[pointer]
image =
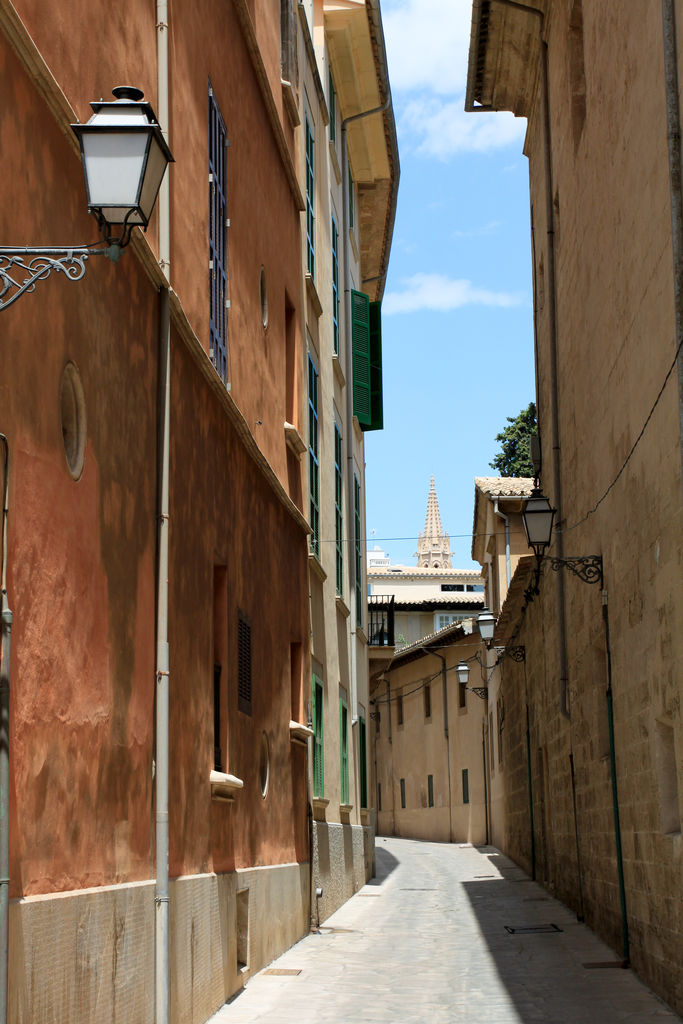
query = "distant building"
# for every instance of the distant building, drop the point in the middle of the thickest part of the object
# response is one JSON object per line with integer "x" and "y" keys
{"x": 433, "y": 546}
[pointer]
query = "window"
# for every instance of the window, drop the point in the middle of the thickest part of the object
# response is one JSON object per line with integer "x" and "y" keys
{"x": 403, "y": 793}
{"x": 220, "y": 658}
{"x": 357, "y": 547}
{"x": 500, "y": 712}
{"x": 310, "y": 199}
{"x": 428, "y": 700}
{"x": 313, "y": 463}
{"x": 379, "y": 796}
{"x": 452, "y": 588}
{"x": 492, "y": 757}
{"x": 430, "y": 790}
{"x": 288, "y": 49}
{"x": 344, "y": 750}
{"x": 443, "y": 619}
{"x": 366, "y": 342}
{"x": 465, "y": 786}
{"x": 462, "y": 695}
{"x": 332, "y": 103}
{"x": 351, "y": 215}
{"x": 243, "y": 663}
{"x": 335, "y": 286}
{"x": 363, "y": 755}
{"x": 338, "y": 516}
{"x": 318, "y": 760}
{"x": 218, "y": 248}
{"x": 399, "y": 709}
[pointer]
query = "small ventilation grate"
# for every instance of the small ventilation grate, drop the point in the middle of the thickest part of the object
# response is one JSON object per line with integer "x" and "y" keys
{"x": 532, "y": 929}
{"x": 288, "y": 971}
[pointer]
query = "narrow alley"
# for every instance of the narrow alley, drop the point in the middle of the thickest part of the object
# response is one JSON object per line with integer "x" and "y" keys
{"x": 430, "y": 939}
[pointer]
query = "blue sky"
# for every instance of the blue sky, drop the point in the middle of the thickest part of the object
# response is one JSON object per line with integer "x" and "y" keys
{"x": 457, "y": 316}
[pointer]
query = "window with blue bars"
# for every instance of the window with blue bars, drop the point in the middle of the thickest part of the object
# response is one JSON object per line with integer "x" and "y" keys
{"x": 313, "y": 457}
{"x": 335, "y": 286}
{"x": 218, "y": 242}
{"x": 338, "y": 518}
{"x": 310, "y": 199}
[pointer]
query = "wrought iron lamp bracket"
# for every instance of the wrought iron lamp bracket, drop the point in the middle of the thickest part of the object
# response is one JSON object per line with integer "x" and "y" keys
{"x": 516, "y": 653}
{"x": 481, "y": 691}
{"x": 588, "y": 568}
{"x": 22, "y": 267}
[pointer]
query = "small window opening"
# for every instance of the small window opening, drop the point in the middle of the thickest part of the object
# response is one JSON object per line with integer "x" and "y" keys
{"x": 72, "y": 409}
{"x": 430, "y": 790}
{"x": 242, "y": 929}
{"x": 403, "y": 793}
{"x": 264, "y": 765}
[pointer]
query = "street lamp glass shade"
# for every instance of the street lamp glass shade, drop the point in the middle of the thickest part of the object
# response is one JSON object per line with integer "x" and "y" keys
{"x": 463, "y": 671}
{"x": 487, "y": 624}
{"x": 538, "y": 519}
{"x": 124, "y": 157}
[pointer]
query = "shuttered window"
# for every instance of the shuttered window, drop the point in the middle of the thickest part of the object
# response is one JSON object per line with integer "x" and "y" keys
{"x": 363, "y": 755}
{"x": 243, "y": 664}
{"x": 357, "y": 549}
{"x": 344, "y": 750}
{"x": 366, "y": 333}
{"x": 318, "y": 759}
{"x": 218, "y": 242}
{"x": 313, "y": 457}
{"x": 310, "y": 199}
{"x": 335, "y": 287}
{"x": 338, "y": 515}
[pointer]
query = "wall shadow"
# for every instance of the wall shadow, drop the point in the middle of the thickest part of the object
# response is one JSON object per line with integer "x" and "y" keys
{"x": 385, "y": 864}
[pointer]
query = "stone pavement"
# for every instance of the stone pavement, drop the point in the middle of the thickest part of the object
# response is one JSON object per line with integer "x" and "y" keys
{"x": 425, "y": 942}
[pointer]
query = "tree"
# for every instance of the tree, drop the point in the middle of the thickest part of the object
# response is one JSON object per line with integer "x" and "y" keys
{"x": 514, "y": 459}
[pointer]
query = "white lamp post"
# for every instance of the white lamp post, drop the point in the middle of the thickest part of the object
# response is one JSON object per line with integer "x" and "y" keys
{"x": 487, "y": 625}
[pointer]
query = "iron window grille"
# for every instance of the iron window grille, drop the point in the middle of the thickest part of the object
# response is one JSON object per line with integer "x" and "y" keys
{"x": 313, "y": 457}
{"x": 243, "y": 664}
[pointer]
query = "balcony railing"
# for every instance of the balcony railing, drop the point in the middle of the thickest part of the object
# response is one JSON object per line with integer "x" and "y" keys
{"x": 381, "y": 620}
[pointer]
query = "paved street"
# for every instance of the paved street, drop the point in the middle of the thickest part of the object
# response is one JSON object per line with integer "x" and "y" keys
{"x": 426, "y": 942}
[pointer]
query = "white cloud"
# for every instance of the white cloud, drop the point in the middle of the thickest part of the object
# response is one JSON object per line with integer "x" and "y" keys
{"x": 440, "y": 293}
{"x": 442, "y": 129}
{"x": 427, "y": 44}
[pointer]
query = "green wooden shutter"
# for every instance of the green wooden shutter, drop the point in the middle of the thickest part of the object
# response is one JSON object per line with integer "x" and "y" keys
{"x": 376, "y": 405}
{"x": 318, "y": 752}
{"x": 344, "y": 751}
{"x": 360, "y": 340}
{"x": 363, "y": 763}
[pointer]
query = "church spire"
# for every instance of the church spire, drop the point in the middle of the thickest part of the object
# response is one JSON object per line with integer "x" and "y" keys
{"x": 433, "y": 546}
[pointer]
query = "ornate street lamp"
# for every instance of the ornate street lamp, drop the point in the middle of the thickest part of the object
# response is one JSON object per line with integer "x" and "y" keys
{"x": 124, "y": 156}
{"x": 538, "y": 517}
{"x": 463, "y": 672}
{"x": 487, "y": 625}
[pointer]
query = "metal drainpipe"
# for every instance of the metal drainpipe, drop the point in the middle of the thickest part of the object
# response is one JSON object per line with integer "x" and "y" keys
{"x": 673, "y": 131}
{"x": 615, "y": 792}
{"x": 444, "y": 693}
{"x": 350, "y": 476}
{"x": 5, "y": 638}
{"x": 162, "y": 894}
{"x": 506, "y": 520}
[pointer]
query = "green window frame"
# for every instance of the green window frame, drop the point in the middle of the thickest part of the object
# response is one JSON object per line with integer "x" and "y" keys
{"x": 318, "y": 739}
{"x": 338, "y": 511}
{"x": 357, "y": 550}
{"x": 344, "y": 750}
{"x": 313, "y": 457}
{"x": 332, "y": 97}
{"x": 363, "y": 755}
{"x": 310, "y": 199}
{"x": 366, "y": 344}
{"x": 335, "y": 286}
{"x": 465, "y": 786}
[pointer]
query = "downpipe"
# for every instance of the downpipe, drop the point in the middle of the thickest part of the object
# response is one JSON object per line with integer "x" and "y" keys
{"x": 162, "y": 894}
{"x": 5, "y": 640}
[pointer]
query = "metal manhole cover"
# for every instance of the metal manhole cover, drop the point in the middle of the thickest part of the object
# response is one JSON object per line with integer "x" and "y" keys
{"x": 532, "y": 929}
{"x": 283, "y": 970}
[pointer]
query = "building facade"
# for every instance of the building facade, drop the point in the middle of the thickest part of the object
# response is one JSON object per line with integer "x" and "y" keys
{"x": 593, "y": 804}
{"x": 158, "y": 545}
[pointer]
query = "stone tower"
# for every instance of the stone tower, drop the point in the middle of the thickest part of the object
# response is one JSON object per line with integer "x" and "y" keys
{"x": 433, "y": 546}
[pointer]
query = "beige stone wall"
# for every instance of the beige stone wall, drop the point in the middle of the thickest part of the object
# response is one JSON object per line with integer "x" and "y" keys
{"x": 83, "y": 956}
{"x": 615, "y": 344}
{"x": 343, "y": 861}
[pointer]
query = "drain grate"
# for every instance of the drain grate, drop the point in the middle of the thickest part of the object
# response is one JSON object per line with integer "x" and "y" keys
{"x": 283, "y": 971}
{"x": 532, "y": 929}
{"x": 603, "y": 964}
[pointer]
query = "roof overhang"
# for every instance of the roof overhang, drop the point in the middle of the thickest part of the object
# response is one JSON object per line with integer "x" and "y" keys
{"x": 503, "y": 65}
{"x": 355, "y": 40}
